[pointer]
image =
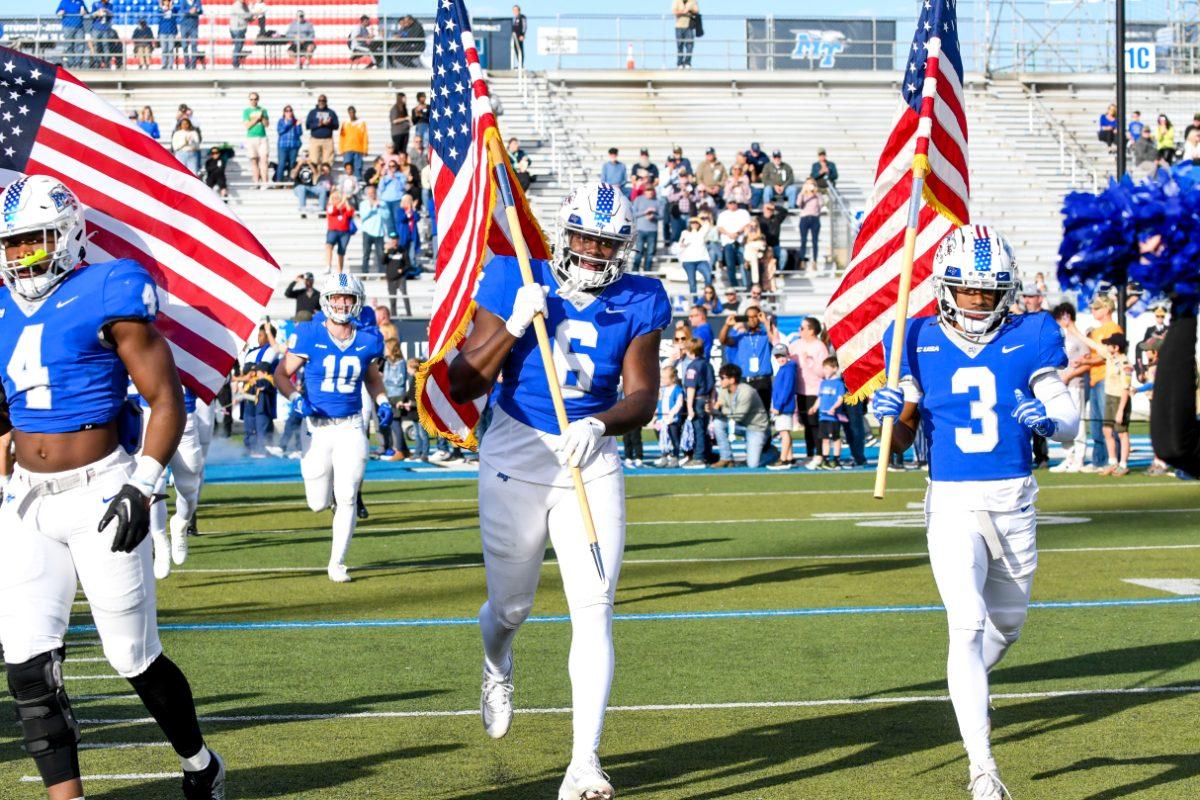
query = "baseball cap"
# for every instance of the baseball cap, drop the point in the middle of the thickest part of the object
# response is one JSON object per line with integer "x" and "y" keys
{"x": 644, "y": 152}
{"x": 776, "y": 154}
{"x": 308, "y": 276}
{"x": 1118, "y": 339}
{"x": 755, "y": 146}
{"x": 1031, "y": 291}
{"x": 710, "y": 152}
{"x": 780, "y": 349}
{"x": 731, "y": 291}
{"x": 1160, "y": 311}
{"x": 821, "y": 151}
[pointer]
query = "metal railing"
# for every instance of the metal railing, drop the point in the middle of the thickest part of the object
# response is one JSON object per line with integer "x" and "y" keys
{"x": 1073, "y": 158}
{"x": 843, "y": 228}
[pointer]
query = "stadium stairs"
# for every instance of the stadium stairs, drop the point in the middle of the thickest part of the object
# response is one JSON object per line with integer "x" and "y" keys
{"x": 1018, "y": 177}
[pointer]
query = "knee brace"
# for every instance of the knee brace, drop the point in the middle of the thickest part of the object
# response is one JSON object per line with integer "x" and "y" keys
{"x": 50, "y": 731}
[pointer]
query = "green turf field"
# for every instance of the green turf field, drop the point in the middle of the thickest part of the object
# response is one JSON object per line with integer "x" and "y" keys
{"x": 1095, "y": 701}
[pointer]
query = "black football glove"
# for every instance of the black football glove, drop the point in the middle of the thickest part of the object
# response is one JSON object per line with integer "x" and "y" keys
{"x": 131, "y": 509}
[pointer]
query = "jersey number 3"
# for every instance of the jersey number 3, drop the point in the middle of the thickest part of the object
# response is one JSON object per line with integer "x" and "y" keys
{"x": 26, "y": 370}
{"x": 983, "y": 410}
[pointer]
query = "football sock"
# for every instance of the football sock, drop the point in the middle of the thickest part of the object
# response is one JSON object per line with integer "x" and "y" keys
{"x": 497, "y": 641}
{"x": 590, "y": 666}
{"x": 967, "y": 679}
{"x": 168, "y": 697}
{"x": 345, "y": 516}
{"x": 198, "y": 762}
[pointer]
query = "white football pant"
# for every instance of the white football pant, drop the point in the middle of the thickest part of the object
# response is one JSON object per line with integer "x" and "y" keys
{"x": 333, "y": 458}
{"x": 986, "y": 604}
{"x": 515, "y": 519}
{"x": 187, "y": 471}
{"x": 55, "y": 540}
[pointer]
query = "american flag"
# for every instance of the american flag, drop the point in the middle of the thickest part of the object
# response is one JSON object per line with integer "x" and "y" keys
{"x": 930, "y": 131}
{"x": 471, "y": 222}
{"x": 214, "y": 278}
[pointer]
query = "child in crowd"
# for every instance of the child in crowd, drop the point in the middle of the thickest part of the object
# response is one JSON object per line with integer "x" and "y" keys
{"x": 830, "y": 399}
{"x": 395, "y": 383}
{"x": 408, "y": 407}
{"x": 668, "y": 420}
{"x": 783, "y": 404}
{"x": 214, "y": 172}
{"x": 699, "y": 381}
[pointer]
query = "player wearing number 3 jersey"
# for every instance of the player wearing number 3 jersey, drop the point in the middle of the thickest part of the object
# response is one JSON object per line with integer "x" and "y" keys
{"x": 605, "y": 330}
{"x": 339, "y": 356}
{"x": 978, "y": 380}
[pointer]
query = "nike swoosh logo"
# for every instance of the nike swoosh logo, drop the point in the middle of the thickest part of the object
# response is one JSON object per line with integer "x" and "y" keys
{"x": 1007, "y": 350}
{"x": 107, "y": 499}
{"x": 362, "y": 347}
{"x": 615, "y": 310}
{"x": 65, "y": 302}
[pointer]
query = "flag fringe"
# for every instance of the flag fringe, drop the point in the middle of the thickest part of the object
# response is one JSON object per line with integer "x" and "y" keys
{"x": 878, "y": 381}
{"x": 921, "y": 162}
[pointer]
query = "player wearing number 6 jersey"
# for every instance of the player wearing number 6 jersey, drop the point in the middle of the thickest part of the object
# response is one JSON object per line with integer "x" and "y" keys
{"x": 77, "y": 509}
{"x": 339, "y": 356}
{"x": 605, "y": 328}
{"x": 978, "y": 380}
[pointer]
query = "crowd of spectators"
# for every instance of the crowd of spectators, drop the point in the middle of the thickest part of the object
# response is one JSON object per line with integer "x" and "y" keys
{"x": 1150, "y": 146}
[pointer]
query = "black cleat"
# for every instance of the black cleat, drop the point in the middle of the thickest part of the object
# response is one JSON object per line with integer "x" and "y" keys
{"x": 208, "y": 783}
{"x": 191, "y": 526}
{"x": 361, "y": 507}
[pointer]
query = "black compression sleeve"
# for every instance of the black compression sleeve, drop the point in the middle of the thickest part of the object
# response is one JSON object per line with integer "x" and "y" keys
{"x": 1174, "y": 431}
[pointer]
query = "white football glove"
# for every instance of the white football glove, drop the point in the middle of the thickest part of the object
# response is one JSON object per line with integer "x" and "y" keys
{"x": 529, "y": 302}
{"x": 580, "y": 441}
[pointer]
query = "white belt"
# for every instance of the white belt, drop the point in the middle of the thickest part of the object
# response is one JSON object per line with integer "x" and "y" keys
{"x": 52, "y": 486}
{"x": 320, "y": 422}
{"x": 991, "y": 536}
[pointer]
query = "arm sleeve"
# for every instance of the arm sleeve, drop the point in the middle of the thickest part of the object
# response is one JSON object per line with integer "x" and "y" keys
{"x": 129, "y": 293}
{"x": 300, "y": 342}
{"x": 494, "y": 292}
{"x": 1060, "y": 407}
{"x": 1052, "y": 347}
{"x": 659, "y": 315}
{"x": 1174, "y": 431}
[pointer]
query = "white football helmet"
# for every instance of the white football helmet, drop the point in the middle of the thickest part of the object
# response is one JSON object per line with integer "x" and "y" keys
{"x": 334, "y": 291}
{"x": 601, "y": 214}
{"x": 975, "y": 257}
{"x": 40, "y": 205}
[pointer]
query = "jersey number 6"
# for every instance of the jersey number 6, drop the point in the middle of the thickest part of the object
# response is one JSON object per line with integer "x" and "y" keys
{"x": 574, "y": 369}
{"x": 983, "y": 410}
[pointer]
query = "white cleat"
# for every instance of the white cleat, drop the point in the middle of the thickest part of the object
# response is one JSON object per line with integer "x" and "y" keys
{"x": 179, "y": 540}
{"x": 495, "y": 702}
{"x": 1067, "y": 465}
{"x": 162, "y": 555}
{"x": 338, "y": 574}
{"x": 985, "y": 785}
{"x": 585, "y": 781}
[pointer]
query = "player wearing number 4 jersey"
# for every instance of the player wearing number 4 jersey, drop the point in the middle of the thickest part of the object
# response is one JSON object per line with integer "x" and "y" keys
{"x": 605, "y": 327}
{"x": 978, "y": 380}
{"x": 339, "y": 356}
{"x": 71, "y": 337}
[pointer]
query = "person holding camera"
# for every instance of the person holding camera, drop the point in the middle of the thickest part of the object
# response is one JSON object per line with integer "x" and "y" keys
{"x": 747, "y": 336}
{"x": 308, "y": 299}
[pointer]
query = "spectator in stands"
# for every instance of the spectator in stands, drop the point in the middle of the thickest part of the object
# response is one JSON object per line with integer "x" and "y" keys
{"x": 353, "y": 141}
{"x": 1164, "y": 140}
{"x": 698, "y": 322}
{"x": 783, "y": 403}
{"x": 754, "y": 299}
{"x": 711, "y": 175}
{"x": 143, "y": 43}
{"x": 686, "y": 13}
{"x": 418, "y": 153}
{"x": 747, "y": 334}
{"x": 824, "y": 172}
{"x": 760, "y": 261}
{"x": 105, "y": 41}
{"x": 1107, "y": 129}
{"x": 348, "y": 185}
{"x": 214, "y": 171}
{"x": 515, "y": 153}
{"x": 420, "y": 117}
{"x": 779, "y": 180}
{"x": 362, "y": 43}
{"x": 743, "y": 406}
{"x": 809, "y": 204}
{"x": 239, "y": 22}
{"x": 308, "y": 299}
{"x": 524, "y": 176}
{"x": 392, "y": 188}
{"x": 146, "y": 122}
{"x": 373, "y": 174}
{"x": 189, "y": 31}
{"x": 709, "y": 300}
{"x": 374, "y": 222}
{"x": 168, "y": 31}
{"x": 731, "y": 226}
{"x": 185, "y": 143}
{"x": 411, "y": 44}
{"x": 683, "y": 202}
{"x": 698, "y": 385}
{"x": 693, "y": 255}
{"x": 305, "y": 185}
{"x": 647, "y": 215}
{"x": 1157, "y": 331}
{"x": 395, "y": 385}
{"x": 396, "y": 266}
{"x": 737, "y": 187}
{"x": 520, "y": 26}
{"x": 1145, "y": 154}
{"x": 614, "y": 172}
{"x": 412, "y": 178}
{"x": 644, "y": 166}
{"x": 339, "y": 216}
{"x": 321, "y": 124}
{"x": 810, "y": 353}
{"x": 757, "y": 160}
{"x": 1033, "y": 299}
{"x": 1191, "y": 146}
{"x": 407, "y": 225}
{"x": 401, "y": 125}
{"x": 71, "y": 14}
{"x": 771, "y": 224}
{"x": 1102, "y": 308}
{"x": 1136, "y": 126}
{"x": 302, "y": 39}
{"x": 289, "y": 132}
{"x": 258, "y": 147}
{"x": 730, "y": 304}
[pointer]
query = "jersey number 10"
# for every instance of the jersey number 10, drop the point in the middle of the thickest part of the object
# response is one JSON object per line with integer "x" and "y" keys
{"x": 343, "y": 380}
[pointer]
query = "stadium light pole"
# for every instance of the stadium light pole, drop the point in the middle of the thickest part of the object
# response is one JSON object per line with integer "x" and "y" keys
{"x": 1121, "y": 163}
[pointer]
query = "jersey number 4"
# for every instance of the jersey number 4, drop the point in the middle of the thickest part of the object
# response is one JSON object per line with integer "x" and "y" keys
{"x": 26, "y": 371}
{"x": 574, "y": 370}
{"x": 983, "y": 410}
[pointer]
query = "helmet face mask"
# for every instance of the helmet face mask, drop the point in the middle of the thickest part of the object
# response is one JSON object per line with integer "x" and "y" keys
{"x": 595, "y": 233}
{"x": 42, "y": 238}
{"x": 342, "y": 298}
{"x": 972, "y": 262}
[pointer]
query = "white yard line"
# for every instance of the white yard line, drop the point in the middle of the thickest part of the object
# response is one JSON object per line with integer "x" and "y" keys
{"x": 90, "y": 660}
{"x": 846, "y": 701}
{"x": 120, "y": 745}
{"x": 132, "y": 776}
{"x": 83, "y": 698}
{"x": 92, "y": 677}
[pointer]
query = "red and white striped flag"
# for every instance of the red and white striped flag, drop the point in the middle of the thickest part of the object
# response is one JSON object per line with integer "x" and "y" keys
{"x": 930, "y": 132}
{"x": 471, "y": 222}
{"x": 214, "y": 278}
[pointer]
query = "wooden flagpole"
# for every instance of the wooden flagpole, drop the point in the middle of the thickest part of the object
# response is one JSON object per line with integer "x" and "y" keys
{"x": 901, "y": 323}
{"x": 499, "y": 158}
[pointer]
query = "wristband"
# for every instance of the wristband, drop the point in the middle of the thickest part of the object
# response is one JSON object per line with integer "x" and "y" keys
{"x": 146, "y": 475}
{"x": 382, "y": 399}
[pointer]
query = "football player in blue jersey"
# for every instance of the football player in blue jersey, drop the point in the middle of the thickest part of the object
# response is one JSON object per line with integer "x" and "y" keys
{"x": 978, "y": 380}
{"x": 71, "y": 337}
{"x": 605, "y": 327}
{"x": 339, "y": 356}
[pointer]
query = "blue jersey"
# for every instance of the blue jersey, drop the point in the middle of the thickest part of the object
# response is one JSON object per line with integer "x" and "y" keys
{"x": 189, "y": 399}
{"x": 832, "y": 390}
{"x": 589, "y": 343}
{"x": 668, "y": 396}
{"x": 751, "y": 352}
{"x": 968, "y": 399}
{"x": 783, "y": 388}
{"x": 59, "y": 370}
{"x": 334, "y": 369}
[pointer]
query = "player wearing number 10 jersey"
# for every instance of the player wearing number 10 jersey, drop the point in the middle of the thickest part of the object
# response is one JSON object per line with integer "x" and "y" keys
{"x": 978, "y": 381}
{"x": 605, "y": 328}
